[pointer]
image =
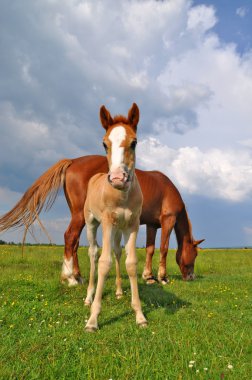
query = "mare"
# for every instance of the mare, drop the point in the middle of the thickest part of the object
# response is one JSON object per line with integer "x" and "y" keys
{"x": 163, "y": 208}
{"x": 114, "y": 200}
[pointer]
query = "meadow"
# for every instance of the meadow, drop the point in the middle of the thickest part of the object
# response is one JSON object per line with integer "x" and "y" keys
{"x": 197, "y": 330}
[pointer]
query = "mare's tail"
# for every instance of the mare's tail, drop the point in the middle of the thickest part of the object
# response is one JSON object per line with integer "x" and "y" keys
{"x": 42, "y": 192}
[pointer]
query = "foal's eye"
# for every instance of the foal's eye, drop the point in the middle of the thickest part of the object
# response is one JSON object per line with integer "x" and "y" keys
{"x": 133, "y": 144}
{"x": 105, "y": 147}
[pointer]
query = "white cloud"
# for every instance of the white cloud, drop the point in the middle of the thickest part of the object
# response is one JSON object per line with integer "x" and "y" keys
{"x": 221, "y": 83}
{"x": 193, "y": 90}
{"x": 201, "y": 17}
{"x": 62, "y": 59}
{"x": 213, "y": 173}
{"x": 242, "y": 11}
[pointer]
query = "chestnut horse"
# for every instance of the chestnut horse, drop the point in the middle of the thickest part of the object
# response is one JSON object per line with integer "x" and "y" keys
{"x": 114, "y": 200}
{"x": 162, "y": 207}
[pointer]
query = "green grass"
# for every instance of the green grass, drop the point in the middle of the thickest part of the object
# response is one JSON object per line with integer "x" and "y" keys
{"x": 208, "y": 321}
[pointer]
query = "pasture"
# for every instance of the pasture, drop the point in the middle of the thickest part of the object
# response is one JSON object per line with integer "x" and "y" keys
{"x": 197, "y": 330}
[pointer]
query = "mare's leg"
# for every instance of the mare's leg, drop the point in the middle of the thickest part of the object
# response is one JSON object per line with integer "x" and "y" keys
{"x": 167, "y": 224}
{"x": 92, "y": 252}
{"x": 118, "y": 253}
{"x": 70, "y": 269}
{"x": 150, "y": 249}
{"x": 131, "y": 266}
{"x": 104, "y": 265}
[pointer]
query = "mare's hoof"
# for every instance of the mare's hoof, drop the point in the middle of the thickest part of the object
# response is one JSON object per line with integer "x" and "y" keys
{"x": 150, "y": 280}
{"x": 163, "y": 281}
{"x": 70, "y": 281}
{"x": 80, "y": 280}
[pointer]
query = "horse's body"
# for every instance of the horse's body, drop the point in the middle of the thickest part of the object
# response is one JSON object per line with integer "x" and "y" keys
{"x": 114, "y": 200}
{"x": 162, "y": 207}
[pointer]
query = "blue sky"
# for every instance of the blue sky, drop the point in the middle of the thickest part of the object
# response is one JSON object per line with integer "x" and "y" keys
{"x": 234, "y": 22}
{"x": 187, "y": 64}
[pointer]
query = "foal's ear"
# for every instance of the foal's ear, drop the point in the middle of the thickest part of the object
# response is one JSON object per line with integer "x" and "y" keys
{"x": 105, "y": 117}
{"x": 133, "y": 116}
{"x": 197, "y": 242}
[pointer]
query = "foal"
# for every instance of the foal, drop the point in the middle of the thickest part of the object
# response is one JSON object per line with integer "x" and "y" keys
{"x": 114, "y": 200}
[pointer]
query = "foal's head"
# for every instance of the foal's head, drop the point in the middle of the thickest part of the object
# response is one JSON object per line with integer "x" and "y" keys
{"x": 120, "y": 142}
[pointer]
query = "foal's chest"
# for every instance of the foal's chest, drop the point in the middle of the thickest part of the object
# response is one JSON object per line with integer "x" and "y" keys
{"x": 122, "y": 217}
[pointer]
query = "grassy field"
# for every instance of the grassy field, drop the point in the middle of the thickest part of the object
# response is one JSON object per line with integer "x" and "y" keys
{"x": 197, "y": 330}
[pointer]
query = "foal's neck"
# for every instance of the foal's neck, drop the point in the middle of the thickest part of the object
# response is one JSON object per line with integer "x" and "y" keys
{"x": 115, "y": 197}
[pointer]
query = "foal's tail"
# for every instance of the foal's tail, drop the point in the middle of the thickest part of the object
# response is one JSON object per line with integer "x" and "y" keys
{"x": 42, "y": 192}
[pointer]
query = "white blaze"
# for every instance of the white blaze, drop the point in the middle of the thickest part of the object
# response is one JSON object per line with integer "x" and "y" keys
{"x": 116, "y": 137}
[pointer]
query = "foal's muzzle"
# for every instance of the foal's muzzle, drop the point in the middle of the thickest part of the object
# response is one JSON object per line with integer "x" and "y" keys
{"x": 119, "y": 178}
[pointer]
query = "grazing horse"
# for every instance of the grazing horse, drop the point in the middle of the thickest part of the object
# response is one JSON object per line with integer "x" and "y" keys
{"x": 114, "y": 200}
{"x": 163, "y": 208}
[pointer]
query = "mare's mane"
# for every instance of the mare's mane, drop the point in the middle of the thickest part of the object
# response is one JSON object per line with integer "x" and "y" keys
{"x": 183, "y": 223}
{"x": 190, "y": 225}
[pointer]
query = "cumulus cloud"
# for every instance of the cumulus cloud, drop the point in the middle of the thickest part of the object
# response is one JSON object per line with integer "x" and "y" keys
{"x": 201, "y": 18}
{"x": 213, "y": 173}
{"x": 62, "y": 59}
{"x": 57, "y": 71}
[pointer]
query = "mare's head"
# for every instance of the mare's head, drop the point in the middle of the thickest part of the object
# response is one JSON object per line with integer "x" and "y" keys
{"x": 187, "y": 247}
{"x": 120, "y": 142}
{"x": 186, "y": 256}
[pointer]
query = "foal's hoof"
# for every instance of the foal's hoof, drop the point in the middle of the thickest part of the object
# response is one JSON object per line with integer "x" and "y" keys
{"x": 87, "y": 302}
{"x": 143, "y": 324}
{"x": 119, "y": 296}
{"x": 91, "y": 329}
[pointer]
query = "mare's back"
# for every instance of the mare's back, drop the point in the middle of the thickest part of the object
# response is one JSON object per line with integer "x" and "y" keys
{"x": 160, "y": 195}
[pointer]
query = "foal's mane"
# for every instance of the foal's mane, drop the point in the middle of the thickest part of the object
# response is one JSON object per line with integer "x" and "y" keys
{"x": 120, "y": 119}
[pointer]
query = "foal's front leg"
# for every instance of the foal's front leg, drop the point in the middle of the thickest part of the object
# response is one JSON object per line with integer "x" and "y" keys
{"x": 118, "y": 253}
{"x": 104, "y": 265}
{"x": 131, "y": 267}
{"x": 92, "y": 252}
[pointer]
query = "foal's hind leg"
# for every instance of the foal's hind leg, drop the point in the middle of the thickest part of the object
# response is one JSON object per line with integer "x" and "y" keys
{"x": 118, "y": 253}
{"x": 104, "y": 265}
{"x": 70, "y": 269}
{"x": 167, "y": 224}
{"x": 131, "y": 267}
{"x": 150, "y": 249}
{"x": 92, "y": 252}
